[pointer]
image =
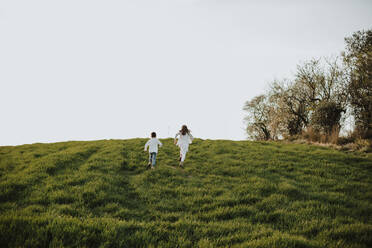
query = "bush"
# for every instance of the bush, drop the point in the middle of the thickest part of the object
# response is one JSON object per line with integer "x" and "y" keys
{"x": 326, "y": 117}
{"x": 345, "y": 140}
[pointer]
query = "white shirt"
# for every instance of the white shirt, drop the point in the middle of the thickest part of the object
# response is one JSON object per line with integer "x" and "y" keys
{"x": 153, "y": 145}
{"x": 184, "y": 140}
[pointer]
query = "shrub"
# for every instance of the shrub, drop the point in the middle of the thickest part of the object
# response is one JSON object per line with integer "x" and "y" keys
{"x": 326, "y": 117}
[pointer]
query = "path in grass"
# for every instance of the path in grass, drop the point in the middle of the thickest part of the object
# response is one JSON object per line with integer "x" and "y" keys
{"x": 243, "y": 194}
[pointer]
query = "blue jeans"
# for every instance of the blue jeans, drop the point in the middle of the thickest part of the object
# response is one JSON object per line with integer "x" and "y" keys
{"x": 152, "y": 158}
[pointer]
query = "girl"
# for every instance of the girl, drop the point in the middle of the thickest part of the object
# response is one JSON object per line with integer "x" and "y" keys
{"x": 185, "y": 138}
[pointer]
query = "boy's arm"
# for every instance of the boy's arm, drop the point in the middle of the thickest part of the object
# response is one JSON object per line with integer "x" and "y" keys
{"x": 146, "y": 145}
{"x": 160, "y": 144}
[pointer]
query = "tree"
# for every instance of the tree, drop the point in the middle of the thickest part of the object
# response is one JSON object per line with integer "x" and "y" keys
{"x": 318, "y": 96}
{"x": 289, "y": 108}
{"x": 358, "y": 58}
{"x": 258, "y": 118}
{"x": 323, "y": 85}
{"x": 316, "y": 93}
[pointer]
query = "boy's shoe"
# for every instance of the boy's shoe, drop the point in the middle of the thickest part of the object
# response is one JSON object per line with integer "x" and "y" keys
{"x": 148, "y": 166}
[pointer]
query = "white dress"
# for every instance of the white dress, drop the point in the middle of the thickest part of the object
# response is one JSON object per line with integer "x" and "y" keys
{"x": 183, "y": 142}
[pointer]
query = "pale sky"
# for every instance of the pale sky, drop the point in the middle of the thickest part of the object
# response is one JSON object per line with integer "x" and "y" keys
{"x": 88, "y": 70}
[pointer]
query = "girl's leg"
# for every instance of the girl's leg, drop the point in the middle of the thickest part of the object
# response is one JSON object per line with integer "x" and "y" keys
{"x": 183, "y": 151}
{"x": 183, "y": 156}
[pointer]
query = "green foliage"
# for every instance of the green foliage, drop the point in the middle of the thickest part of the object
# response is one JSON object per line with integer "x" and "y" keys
{"x": 230, "y": 194}
{"x": 315, "y": 98}
{"x": 358, "y": 57}
{"x": 326, "y": 117}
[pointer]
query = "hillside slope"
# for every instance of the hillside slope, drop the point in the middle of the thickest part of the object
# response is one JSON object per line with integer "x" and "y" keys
{"x": 231, "y": 194}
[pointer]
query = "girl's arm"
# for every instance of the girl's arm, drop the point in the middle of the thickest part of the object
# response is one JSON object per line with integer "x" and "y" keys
{"x": 175, "y": 141}
{"x": 191, "y": 137}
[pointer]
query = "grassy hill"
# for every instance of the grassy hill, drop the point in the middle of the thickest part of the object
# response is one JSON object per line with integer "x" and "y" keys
{"x": 230, "y": 194}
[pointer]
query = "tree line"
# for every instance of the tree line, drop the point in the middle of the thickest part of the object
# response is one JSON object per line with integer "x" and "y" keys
{"x": 315, "y": 102}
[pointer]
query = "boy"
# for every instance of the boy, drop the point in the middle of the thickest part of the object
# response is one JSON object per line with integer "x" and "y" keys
{"x": 153, "y": 149}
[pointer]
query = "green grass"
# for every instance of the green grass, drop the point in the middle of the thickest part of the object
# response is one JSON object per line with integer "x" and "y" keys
{"x": 231, "y": 194}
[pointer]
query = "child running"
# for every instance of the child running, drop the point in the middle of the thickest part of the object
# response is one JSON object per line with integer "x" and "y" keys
{"x": 185, "y": 138}
{"x": 153, "y": 149}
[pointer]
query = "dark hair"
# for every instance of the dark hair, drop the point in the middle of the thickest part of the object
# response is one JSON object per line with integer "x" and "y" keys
{"x": 153, "y": 135}
{"x": 184, "y": 130}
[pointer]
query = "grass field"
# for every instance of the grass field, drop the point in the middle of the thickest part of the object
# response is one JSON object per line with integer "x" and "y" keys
{"x": 230, "y": 194}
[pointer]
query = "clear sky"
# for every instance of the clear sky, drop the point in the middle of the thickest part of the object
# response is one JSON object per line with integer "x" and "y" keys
{"x": 87, "y": 70}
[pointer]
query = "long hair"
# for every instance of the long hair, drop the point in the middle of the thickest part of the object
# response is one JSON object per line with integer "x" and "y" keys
{"x": 184, "y": 130}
